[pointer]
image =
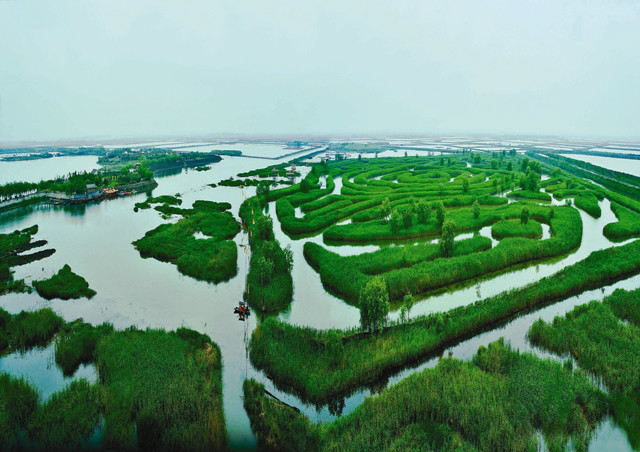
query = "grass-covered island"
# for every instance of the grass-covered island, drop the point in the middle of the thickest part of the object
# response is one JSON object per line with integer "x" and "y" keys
{"x": 200, "y": 243}
{"x": 64, "y": 285}
{"x": 13, "y": 252}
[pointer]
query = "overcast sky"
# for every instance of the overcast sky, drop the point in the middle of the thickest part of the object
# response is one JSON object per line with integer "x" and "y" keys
{"x": 125, "y": 68}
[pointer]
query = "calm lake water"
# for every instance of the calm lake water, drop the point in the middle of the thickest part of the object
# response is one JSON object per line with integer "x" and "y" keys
{"x": 628, "y": 166}
{"x": 37, "y": 170}
{"x": 95, "y": 240}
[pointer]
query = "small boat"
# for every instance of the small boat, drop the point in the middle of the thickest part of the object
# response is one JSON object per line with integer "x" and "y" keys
{"x": 242, "y": 310}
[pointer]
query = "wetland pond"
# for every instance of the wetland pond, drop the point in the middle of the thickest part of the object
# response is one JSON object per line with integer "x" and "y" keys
{"x": 96, "y": 241}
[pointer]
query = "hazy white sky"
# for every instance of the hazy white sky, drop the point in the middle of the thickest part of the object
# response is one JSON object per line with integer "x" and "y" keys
{"x": 139, "y": 68}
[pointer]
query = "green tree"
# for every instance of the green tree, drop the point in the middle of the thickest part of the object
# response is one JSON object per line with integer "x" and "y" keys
{"x": 440, "y": 212}
{"x": 395, "y": 220}
{"x": 532, "y": 180}
{"x": 413, "y": 204}
{"x": 524, "y": 215}
{"x": 305, "y": 186}
{"x": 447, "y": 237}
{"x": 263, "y": 188}
{"x": 510, "y": 166}
{"x": 407, "y": 217}
{"x": 423, "y": 211}
{"x": 385, "y": 210}
{"x": 264, "y": 267}
{"x": 374, "y": 305}
{"x": 334, "y": 345}
{"x": 476, "y": 209}
{"x": 264, "y": 227}
{"x": 407, "y": 304}
{"x": 465, "y": 184}
{"x": 288, "y": 257}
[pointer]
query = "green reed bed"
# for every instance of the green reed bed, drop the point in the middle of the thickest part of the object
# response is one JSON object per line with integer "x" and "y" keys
{"x": 156, "y": 390}
{"x": 269, "y": 284}
{"x": 65, "y": 285}
{"x": 212, "y": 259}
{"x": 498, "y": 401}
{"x": 12, "y": 248}
{"x": 68, "y": 418}
{"x": 464, "y": 219}
{"x": 165, "y": 387}
{"x": 515, "y": 228}
{"x": 532, "y": 195}
{"x": 597, "y": 340}
{"x": 76, "y": 344}
{"x": 322, "y": 364}
{"x": 28, "y": 329}
{"x": 346, "y": 275}
{"x": 341, "y": 275}
{"x": 164, "y": 199}
{"x": 18, "y": 401}
{"x": 588, "y": 203}
{"x": 627, "y": 226}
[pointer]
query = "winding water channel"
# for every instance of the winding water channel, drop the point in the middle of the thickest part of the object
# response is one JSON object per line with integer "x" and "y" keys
{"x": 95, "y": 240}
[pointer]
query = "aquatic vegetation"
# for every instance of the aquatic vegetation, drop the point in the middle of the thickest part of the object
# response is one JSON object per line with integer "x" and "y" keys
{"x": 212, "y": 259}
{"x": 12, "y": 248}
{"x": 621, "y": 183}
{"x": 627, "y": 226}
{"x": 510, "y": 228}
{"x": 164, "y": 199}
{"x": 343, "y": 275}
{"x": 588, "y": 203}
{"x": 346, "y": 275}
{"x": 18, "y": 401}
{"x": 64, "y": 285}
{"x": 68, "y": 418}
{"x": 496, "y": 402}
{"x": 163, "y": 385}
{"x": 76, "y": 344}
{"x": 269, "y": 284}
{"x": 528, "y": 194}
{"x": 28, "y": 329}
{"x": 598, "y": 341}
{"x": 307, "y": 360}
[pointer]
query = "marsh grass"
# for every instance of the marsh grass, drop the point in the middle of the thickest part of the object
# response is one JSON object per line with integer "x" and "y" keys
{"x": 64, "y": 285}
